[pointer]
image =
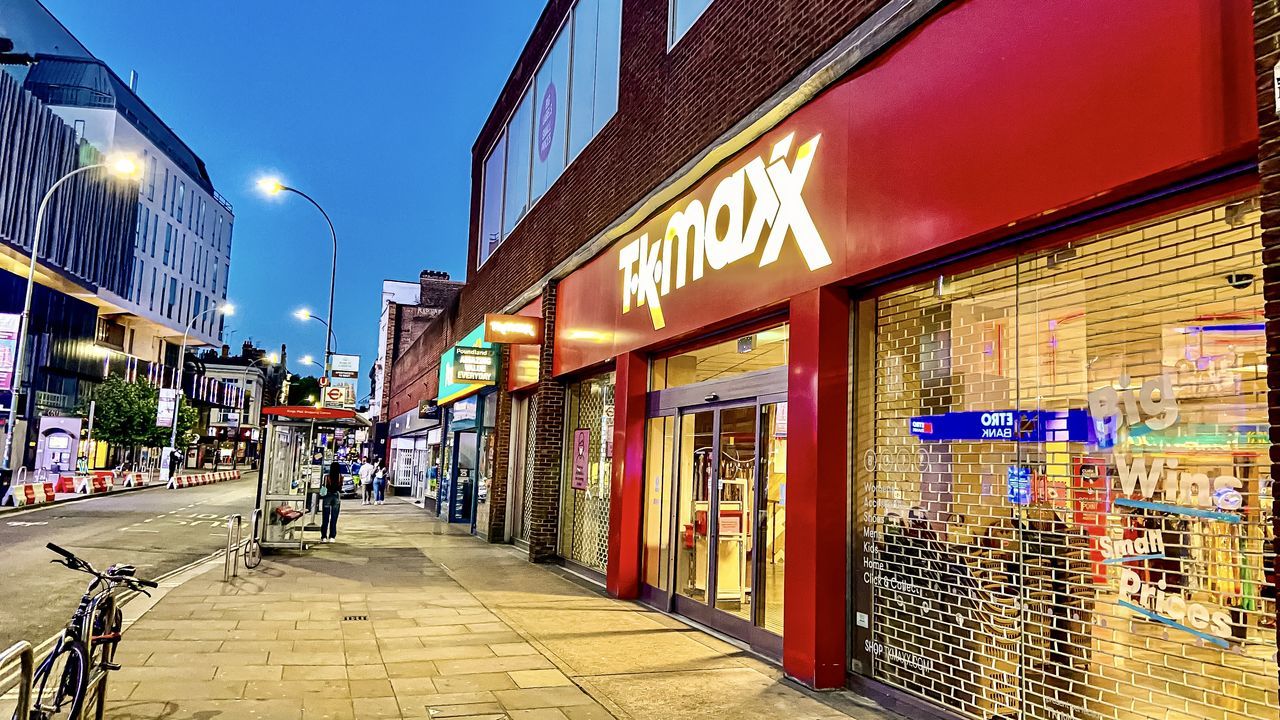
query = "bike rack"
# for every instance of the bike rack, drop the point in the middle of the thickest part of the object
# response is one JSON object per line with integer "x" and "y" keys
{"x": 229, "y": 569}
{"x": 26, "y": 657}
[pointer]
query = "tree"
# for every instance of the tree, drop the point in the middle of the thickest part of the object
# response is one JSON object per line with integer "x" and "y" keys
{"x": 302, "y": 390}
{"x": 125, "y": 415}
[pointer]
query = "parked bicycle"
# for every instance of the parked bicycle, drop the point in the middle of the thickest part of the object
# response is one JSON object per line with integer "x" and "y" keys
{"x": 73, "y": 678}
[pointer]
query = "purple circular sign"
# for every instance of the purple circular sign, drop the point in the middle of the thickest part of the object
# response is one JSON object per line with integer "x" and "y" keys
{"x": 547, "y": 123}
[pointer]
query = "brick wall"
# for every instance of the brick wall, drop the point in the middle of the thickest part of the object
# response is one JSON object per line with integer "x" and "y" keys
{"x": 548, "y": 444}
{"x": 1266, "y": 17}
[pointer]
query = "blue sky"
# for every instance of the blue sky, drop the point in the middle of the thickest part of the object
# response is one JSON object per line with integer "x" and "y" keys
{"x": 371, "y": 108}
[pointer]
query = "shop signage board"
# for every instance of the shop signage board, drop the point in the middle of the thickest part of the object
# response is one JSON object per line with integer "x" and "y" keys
{"x": 167, "y": 407}
{"x": 455, "y": 382}
{"x": 513, "y": 329}
{"x": 523, "y": 358}
{"x": 344, "y": 366}
{"x": 1010, "y": 425}
{"x": 475, "y": 365}
{"x": 835, "y": 190}
{"x": 428, "y": 410}
{"x": 9, "y": 327}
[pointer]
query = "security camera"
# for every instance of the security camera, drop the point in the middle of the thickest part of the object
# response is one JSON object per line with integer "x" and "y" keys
{"x": 1240, "y": 280}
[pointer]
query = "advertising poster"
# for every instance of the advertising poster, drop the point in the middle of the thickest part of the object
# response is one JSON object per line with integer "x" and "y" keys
{"x": 167, "y": 407}
{"x": 9, "y": 325}
{"x": 581, "y": 446}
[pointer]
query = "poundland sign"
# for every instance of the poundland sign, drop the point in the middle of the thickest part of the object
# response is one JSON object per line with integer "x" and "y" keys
{"x": 704, "y": 239}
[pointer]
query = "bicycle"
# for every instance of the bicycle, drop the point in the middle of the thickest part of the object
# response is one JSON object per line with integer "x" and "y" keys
{"x": 252, "y": 547}
{"x": 85, "y": 650}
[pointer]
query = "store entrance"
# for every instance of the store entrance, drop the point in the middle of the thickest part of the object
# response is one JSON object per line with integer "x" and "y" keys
{"x": 462, "y": 490}
{"x": 721, "y": 464}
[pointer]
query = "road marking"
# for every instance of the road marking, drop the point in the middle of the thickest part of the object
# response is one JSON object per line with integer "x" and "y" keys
{"x": 26, "y": 523}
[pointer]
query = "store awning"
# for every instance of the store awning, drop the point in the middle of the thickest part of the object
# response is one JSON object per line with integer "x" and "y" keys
{"x": 308, "y": 412}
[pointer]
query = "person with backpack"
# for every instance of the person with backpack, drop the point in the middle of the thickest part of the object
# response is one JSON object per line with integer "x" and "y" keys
{"x": 330, "y": 503}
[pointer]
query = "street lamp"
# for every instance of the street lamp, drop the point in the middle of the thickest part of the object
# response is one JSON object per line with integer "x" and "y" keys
{"x": 226, "y": 309}
{"x": 118, "y": 164}
{"x": 304, "y": 314}
{"x": 273, "y": 186}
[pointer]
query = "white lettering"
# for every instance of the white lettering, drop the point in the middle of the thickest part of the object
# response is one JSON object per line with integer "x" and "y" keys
{"x": 698, "y": 239}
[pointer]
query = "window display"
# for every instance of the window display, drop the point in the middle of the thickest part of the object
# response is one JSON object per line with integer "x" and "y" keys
{"x": 1064, "y": 495}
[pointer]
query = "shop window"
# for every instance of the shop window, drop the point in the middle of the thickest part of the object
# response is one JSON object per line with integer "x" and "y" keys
{"x": 519, "y": 154}
{"x": 757, "y": 351}
{"x": 587, "y": 471}
{"x": 659, "y": 481}
{"x": 597, "y": 40}
{"x": 1063, "y": 497}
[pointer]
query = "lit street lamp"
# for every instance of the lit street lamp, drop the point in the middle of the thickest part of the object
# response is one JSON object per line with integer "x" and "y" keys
{"x": 117, "y": 164}
{"x": 273, "y": 186}
{"x": 304, "y": 314}
{"x": 226, "y": 309}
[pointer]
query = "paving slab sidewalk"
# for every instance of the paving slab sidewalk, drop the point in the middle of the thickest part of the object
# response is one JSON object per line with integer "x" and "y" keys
{"x": 407, "y": 617}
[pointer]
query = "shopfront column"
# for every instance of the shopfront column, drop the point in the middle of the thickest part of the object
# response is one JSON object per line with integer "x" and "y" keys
{"x": 497, "y": 520}
{"x": 626, "y": 512}
{"x": 548, "y": 443}
{"x": 813, "y": 641}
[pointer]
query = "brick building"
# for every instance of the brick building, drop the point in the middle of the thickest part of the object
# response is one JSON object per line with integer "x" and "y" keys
{"x": 920, "y": 346}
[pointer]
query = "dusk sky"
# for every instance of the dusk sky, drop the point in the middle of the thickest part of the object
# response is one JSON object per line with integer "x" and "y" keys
{"x": 370, "y": 108}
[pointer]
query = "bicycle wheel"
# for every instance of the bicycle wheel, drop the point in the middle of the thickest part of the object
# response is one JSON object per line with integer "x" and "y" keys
{"x": 59, "y": 687}
{"x": 252, "y": 554}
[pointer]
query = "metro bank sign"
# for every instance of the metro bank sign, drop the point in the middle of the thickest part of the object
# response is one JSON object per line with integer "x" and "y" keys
{"x": 763, "y": 200}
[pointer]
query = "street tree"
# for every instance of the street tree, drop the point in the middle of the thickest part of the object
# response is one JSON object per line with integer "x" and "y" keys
{"x": 125, "y": 416}
{"x": 302, "y": 390}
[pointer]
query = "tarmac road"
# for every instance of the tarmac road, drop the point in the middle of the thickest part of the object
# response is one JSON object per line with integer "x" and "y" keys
{"x": 156, "y": 529}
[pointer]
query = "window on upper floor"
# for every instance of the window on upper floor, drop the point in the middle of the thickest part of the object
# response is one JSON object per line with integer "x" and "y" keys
{"x": 164, "y": 192}
{"x": 573, "y": 93}
{"x": 151, "y": 175}
{"x": 681, "y": 16}
{"x": 182, "y": 192}
{"x": 217, "y": 233}
{"x": 168, "y": 241}
{"x": 155, "y": 232}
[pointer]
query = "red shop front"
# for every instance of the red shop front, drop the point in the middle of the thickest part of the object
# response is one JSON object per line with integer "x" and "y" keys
{"x": 733, "y": 316}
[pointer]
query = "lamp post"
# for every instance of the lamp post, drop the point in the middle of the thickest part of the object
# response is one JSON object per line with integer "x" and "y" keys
{"x": 226, "y": 309}
{"x": 272, "y": 186}
{"x": 120, "y": 165}
{"x": 305, "y": 314}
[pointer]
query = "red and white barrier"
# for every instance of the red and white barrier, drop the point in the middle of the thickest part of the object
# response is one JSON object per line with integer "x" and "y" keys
{"x": 29, "y": 494}
{"x": 65, "y": 483}
{"x": 98, "y": 482}
{"x": 207, "y": 478}
{"x": 136, "y": 480}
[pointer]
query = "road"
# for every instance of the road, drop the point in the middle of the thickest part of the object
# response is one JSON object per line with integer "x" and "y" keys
{"x": 157, "y": 530}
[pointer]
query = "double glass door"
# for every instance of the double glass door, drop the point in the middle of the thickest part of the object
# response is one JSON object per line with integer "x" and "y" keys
{"x": 728, "y": 507}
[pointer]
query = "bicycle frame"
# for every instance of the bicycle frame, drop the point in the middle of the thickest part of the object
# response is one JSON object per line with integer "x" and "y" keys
{"x": 97, "y": 602}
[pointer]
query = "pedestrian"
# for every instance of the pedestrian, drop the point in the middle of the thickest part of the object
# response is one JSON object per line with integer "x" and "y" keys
{"x": 330, "y": 503}
{"x": 380, "y": 482}
{"x": 366, "y": 482}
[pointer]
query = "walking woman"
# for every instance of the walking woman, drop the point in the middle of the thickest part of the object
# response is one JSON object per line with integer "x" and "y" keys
{"x": 330, "y": 503}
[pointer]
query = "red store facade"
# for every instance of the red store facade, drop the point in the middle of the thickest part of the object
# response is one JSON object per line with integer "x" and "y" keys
{"x": 942, "y": 374}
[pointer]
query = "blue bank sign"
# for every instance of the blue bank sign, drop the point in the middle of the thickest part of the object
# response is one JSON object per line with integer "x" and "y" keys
{"x": 1005, "y": 425}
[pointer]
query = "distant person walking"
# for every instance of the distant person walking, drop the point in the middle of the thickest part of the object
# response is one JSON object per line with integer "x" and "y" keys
{"x": 330, "y": 503}
{"x": 366, "y": 481}
{"x": 380, "y": 482}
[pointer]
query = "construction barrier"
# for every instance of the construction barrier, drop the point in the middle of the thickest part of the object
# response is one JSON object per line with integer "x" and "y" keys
{"x": 28, "y": 494}
{"x": 136, "y": 480}
{"x": 66, "y": 483}
{"x": 98, "y": 482}
{"x": 207, "y": 478}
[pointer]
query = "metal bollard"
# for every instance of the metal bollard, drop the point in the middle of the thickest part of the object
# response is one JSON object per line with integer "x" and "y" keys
{"x": 26, "y": 656}
{"x": 229, "y": 569}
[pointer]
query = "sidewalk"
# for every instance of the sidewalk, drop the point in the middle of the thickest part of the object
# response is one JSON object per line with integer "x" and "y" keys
{"x": 406, "y": 617}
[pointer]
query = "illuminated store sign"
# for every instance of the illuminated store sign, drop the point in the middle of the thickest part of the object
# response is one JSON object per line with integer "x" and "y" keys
{"x": 1010, "y": 425}
{"x": 475, "y": 365}
{"x": 699, "y": 239}
{"x": 512, "y": 329}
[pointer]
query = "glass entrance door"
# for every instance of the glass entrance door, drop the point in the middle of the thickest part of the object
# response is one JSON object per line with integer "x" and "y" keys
{"x": 729, "y": 495}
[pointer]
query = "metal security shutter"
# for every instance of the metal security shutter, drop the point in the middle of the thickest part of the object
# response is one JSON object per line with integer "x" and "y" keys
{"x": 1022, "y": 562}
{"x": 584, "y": 525}
{"x": 531, "y": 424}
